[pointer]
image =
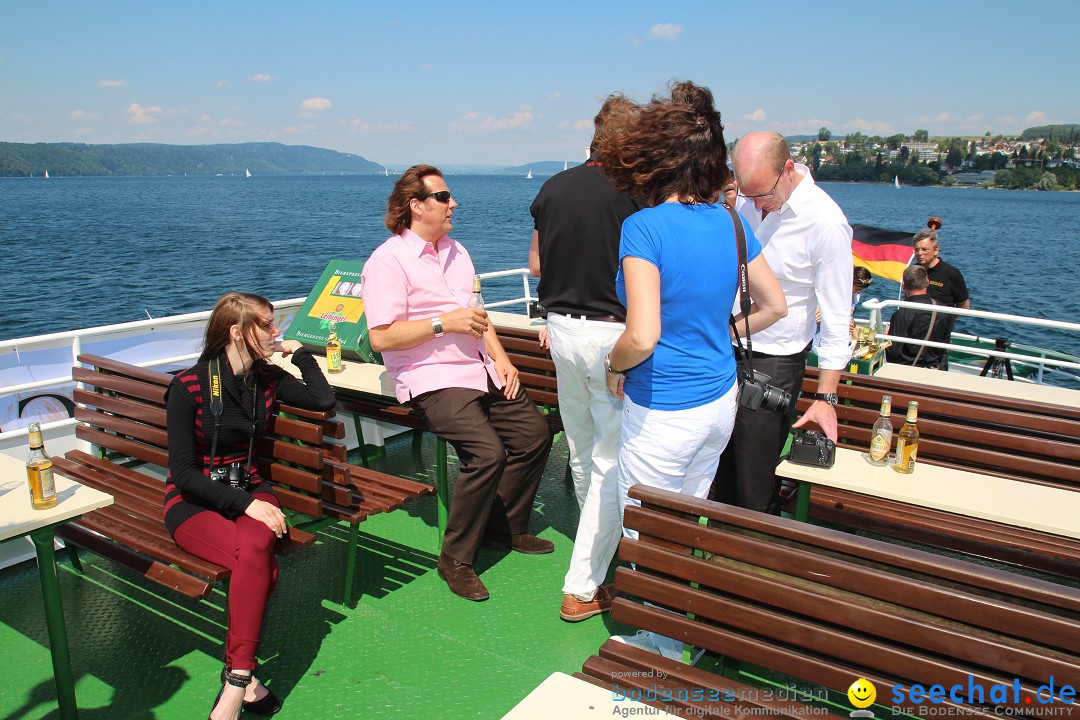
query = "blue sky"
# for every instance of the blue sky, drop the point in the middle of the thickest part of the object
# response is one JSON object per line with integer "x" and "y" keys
{"x": 509, "y": 83}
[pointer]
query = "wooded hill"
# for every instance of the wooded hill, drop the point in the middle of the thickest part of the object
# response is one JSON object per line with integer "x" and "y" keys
{"x": 72, "y": 159}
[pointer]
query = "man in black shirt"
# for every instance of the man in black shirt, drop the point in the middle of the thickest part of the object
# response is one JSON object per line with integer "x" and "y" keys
{"x": 918, "y": 324}
{"x": 578, "y": 218}
{"x": 947, "y": 285}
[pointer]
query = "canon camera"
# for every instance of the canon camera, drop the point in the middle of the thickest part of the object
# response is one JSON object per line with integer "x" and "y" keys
{"x": 809, "y": 447}
{"x": 234, "y": 476}
{"x": 757, "y": 394}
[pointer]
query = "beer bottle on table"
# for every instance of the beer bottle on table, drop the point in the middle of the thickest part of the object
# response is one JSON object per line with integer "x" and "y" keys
{"x": 333, "y": 351}
{"x": 477, "y": 300}
{"x": 907, "y": 443}
{"x": 39, "y": 472}
{"x": 881, "y": 436}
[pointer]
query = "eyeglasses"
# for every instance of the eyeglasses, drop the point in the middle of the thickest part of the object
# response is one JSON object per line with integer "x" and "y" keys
{"x": 766, "y": 196}
{"x": 442, "y": 196}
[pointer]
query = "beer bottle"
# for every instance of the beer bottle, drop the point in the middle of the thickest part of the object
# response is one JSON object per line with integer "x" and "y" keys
{"x": 333, "y": 351}
{"x": 477, "y": 300}
{"x": 907, "y": 443}
{"x": 881, "y": 437}
{"x": 39, "y": 472}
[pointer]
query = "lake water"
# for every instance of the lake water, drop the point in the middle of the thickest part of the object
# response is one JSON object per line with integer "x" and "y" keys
{"x": 80, "y": 252}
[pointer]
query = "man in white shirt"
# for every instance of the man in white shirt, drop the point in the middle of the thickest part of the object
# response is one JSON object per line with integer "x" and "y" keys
{"x": 807, "y": 242}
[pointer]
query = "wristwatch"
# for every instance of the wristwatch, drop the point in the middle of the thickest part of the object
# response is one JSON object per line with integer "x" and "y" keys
{"x": 436, "y": 325}
{"x": 827, "y": 397}
{"x": 607, "y": 366}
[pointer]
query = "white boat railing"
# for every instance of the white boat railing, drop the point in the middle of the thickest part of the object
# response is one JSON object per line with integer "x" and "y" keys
{"x": 876, "y": 308}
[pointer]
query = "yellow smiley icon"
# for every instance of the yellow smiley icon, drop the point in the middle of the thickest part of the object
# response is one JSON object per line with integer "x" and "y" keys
{"x": 862, "y": 693}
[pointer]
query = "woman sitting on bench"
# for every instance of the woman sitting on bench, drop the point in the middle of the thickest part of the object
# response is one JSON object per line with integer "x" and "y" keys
{"x": 216, "y": 505}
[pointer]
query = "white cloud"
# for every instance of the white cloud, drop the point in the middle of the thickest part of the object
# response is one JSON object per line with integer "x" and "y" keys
{"x": 221, "y": 83}
{"x": 583, "y": 124}
{"x": 634, "y": 40}
{"x": 756, "y": 116}
{"x": 359, "y": 126}
{"x": 787, "y": 126}
{"x": 315, "y": 105}
{"x": 1035, "y": 116}
{"x": 555, "y": 95}
{"x": 112, "y": 83}
{"x": 142, "y": 115}
{"x": 870, "y": 127}
{"x": 521, "y": 118}
{"x": 427, "y": 66}
{"x": 229, "y": 122}
{"x": 82, "y": 115}
{"x": 261, "y": 77}
{"x": 666, "y": 31}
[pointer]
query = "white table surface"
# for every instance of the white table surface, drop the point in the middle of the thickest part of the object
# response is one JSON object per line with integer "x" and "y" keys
{"x": 1011, "y": 502}
{"x": 983, "y": 385}
{"x": 566, "y": 697}
{"x": 17, "y": 517}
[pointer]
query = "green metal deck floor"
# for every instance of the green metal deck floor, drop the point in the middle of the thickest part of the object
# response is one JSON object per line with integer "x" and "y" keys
{"x": 409, "y": 649}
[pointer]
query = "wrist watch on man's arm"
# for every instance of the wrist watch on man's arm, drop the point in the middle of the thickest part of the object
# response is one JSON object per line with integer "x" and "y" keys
{"x": 436, "y": 325}
{"x": 830, "y": 398}
{"x": 610, "y": 370}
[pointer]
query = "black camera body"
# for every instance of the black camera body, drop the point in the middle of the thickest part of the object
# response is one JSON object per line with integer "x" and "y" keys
{"x": 809, "y": 447}
{"x": 756, "y": 393}
{"x": 234, "y": 476}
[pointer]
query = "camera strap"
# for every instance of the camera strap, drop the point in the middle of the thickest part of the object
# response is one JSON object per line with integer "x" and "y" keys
{"x": 217, "y": 406}
{"x": 744, "y": 291}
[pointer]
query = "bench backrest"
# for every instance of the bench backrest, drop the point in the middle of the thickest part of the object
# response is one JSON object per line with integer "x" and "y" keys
{"x": 535, "y": 367}
{"x": 122, "y": 415}
{"x": 1007, "y": 437}
{"x": 827, "y": 607}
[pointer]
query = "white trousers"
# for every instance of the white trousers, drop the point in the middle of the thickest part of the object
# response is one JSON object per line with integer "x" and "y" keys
{"x": 676, "y": 450}
{"x": 591, "y": 420}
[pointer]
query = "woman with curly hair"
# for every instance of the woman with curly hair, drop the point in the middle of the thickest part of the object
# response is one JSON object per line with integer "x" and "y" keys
{"x": 678, "y": 278}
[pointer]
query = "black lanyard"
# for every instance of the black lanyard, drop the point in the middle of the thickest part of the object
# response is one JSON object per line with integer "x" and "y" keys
{"x": 217, "y": 405}
{"x": 744, "y": 292}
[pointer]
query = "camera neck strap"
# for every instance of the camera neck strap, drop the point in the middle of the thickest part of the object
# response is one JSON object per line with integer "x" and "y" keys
{"x": 744, "y": 291}
{"x": 217, "y": 406}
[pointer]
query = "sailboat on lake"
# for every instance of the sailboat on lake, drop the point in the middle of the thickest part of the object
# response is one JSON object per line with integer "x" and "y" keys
{"x": 247, "y": 173}
{"x": 896, "y": 181}
{"x": 529, "y": 176}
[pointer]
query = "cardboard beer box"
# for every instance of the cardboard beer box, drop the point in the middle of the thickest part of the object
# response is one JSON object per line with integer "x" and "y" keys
{"x": 335, "y": 298}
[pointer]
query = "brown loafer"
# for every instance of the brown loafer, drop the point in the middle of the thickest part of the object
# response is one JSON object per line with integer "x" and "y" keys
{"x": 523, "y": 543}
{"x": 461, "y": 579}
{"x": 574, "y": 610}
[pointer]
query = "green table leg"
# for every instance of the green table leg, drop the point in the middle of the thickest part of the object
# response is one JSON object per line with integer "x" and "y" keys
{"x": 350, "y": 565}
{"x": 802, "y": 502}
{"x": 54, "y": 621}
{"x": 441, "y": 488}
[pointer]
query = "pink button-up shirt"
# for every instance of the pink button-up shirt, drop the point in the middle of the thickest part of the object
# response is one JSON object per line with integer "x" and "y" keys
{"x": 408, "y": 278}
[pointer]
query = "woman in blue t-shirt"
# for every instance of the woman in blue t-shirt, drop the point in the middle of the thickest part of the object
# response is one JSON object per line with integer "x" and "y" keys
{"x": 678, "y": 277}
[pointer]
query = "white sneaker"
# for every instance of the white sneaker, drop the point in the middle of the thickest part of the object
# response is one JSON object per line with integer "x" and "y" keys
{"x": 662, "y": 645}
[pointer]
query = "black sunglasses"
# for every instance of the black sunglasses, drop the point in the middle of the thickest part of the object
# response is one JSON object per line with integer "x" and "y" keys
{"x": 442, "y": 196}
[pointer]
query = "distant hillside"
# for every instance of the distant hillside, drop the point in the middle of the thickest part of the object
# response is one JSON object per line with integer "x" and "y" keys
{"x": 1068, "y": 134}
{"x": 71, "y": 159}
{"x": 544, "y": 167}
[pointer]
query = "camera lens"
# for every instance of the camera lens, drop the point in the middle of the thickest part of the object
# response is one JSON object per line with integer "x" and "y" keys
{"x": 776, "y": 400}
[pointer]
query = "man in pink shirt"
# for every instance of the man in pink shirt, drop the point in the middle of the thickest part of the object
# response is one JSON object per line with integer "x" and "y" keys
{"x": 449, "y": 367}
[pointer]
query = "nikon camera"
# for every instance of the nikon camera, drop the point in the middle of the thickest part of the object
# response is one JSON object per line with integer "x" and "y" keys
{"x": 234, "y": 476}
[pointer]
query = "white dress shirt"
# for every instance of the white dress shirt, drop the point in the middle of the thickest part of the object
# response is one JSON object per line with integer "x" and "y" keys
{"x": 807, "y": 243}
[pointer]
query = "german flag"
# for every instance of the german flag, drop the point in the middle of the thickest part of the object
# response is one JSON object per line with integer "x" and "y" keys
{"x": 884, "y": 253}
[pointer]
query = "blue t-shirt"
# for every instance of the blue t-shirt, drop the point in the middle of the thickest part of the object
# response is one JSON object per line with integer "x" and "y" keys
{"x": 694, "y": 248}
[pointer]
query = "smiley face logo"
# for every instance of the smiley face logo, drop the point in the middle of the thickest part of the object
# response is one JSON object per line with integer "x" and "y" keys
{"x": 862, "y": 693}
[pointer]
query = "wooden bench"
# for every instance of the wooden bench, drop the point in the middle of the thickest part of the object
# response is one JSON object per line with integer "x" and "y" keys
{"x": 1007, "y": 437}
{"x": 122, "y": 413}
{"x": 826, "y": 607}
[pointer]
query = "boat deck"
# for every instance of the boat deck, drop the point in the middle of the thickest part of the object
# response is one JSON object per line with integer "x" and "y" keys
{"x": 410, "y": 649}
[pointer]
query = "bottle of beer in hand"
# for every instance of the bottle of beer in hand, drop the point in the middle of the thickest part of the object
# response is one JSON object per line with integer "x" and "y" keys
{"x": 477, "y": 300}
{"x": 907, "y": 443}
{"x": 333, "y": 351}
{"x": 881, "y": 437}
{"x": 39, "y": 472}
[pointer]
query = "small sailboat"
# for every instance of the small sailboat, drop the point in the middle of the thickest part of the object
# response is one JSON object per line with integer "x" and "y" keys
{"x": 529, "y": 176}
{"x": 46, "y": 174}
{"x": 565, "y": 164}
{"x": 247, "y": 173}
{"x": 387, "y": 171}
{"x": 896, "y": 181}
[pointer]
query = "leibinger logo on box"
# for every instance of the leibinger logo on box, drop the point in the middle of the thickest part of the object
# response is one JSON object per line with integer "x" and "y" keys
{"x": 1007, "y": 700}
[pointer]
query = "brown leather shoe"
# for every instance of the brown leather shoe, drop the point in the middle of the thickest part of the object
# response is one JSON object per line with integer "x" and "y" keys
{"x": 461, "y": 579}
{"x": 523, "y": 543}
{"x": 574, "y": 610}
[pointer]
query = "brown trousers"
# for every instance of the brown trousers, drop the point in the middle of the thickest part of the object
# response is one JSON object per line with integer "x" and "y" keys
{"x": 502, "y": 446}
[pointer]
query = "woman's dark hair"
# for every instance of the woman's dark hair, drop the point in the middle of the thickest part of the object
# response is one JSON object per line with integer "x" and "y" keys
{"x": 236, "y": 308}
{"x": 407, "y": 188}
{"x": 670, "y": 146}
{"x": 861, "y": 277}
